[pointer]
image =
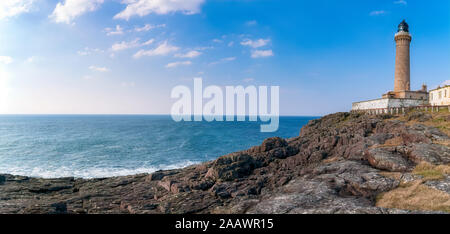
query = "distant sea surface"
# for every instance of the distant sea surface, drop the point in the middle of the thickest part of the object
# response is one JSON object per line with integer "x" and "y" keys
{"x": 90, "y": 146}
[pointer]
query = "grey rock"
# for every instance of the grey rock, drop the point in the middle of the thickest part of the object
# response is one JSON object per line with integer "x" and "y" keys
{"x": 432, "y": 153}
{"x": 335, "y": 165}
{"x": 443, "y": 185}
{"x": 385, "y": 159}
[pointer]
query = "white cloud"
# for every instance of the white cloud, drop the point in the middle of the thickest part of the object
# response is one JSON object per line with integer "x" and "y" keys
{"x": 148, "y": 42}
{"x": 99, "y": 69}
{"x": 163, "y": 49}
{"x": 227, "y": 59}
{"x": 380, "y": 12}
{"x": 190, "y": 54}
{"x": 161, "y": 7}
{"x": 111, "y": 32}
{"x": 403, "y": 2}
{"x": 148, "y": 27}
{"x": 251, "y": 23}
{"x": 89, "y": 51}
{"x": 230, "y": 44}
{"x": 131, "y": 44}
{"x": 256, "y": 43}
{"x": 6, "y": 59}
{"x": 10, "y": 8}
{"x": 204, "y": 48}
{"x": 248, "y": 80}
{"x": 125, "y": 45}
{"x": 217, "y": 40}
{"x": 261, "y": 53}
{"x": 66, "y": 12}
{"x": 176, "y": 64}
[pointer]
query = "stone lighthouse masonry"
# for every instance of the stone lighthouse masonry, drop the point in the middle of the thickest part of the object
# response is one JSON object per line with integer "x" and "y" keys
{"x": 402, "y": 65}
{"x": 402, "y": 96}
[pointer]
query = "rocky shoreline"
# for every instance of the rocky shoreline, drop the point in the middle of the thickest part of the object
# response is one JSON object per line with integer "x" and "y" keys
{"x": 340, "y": 163}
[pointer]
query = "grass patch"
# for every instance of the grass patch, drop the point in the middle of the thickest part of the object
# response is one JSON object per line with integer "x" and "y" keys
{"x": 439, "y": 120}
{"x": 445, "y": 169}
{"x": 431, "y": 172}
{"x": 415, "y": 196}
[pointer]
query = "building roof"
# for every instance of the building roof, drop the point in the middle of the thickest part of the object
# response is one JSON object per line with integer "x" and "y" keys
{"x": 440, "y": 87}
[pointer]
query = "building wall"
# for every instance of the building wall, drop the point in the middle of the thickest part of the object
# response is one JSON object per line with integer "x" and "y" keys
{"x": 406, "y": 102}
{"x": 372, "y": 104}
{"x": 388, "y": 103}
{"x": 414, "y": 95}
{"x": 422, "y": 95}
{"x": 440, "y": 96}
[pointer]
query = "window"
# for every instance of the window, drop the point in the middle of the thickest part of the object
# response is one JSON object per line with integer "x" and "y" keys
{"x": 445, "y": 93}
{"x": 440, "y": 94}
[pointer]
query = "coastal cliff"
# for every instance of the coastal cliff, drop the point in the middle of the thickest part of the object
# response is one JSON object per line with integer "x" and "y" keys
{"x": 340, "y": 163}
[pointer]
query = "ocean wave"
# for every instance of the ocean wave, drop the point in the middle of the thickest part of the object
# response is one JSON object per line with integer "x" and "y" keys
{"x": 105, "y": 146}
{"x": 88, "y": 173}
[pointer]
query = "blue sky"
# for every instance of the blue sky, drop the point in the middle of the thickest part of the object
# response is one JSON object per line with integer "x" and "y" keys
{"x": 125, "y": 56}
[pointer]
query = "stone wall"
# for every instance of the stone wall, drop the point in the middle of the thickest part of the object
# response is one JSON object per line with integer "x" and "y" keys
{"x": 387, "y": 103}
{"x": 372, "y": 104}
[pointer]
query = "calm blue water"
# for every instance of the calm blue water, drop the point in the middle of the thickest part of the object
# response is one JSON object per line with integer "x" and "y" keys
{"x": 110, "y": 145}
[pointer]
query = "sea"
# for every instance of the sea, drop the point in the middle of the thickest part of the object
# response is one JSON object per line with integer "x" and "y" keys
{"x": 96, "y": 146}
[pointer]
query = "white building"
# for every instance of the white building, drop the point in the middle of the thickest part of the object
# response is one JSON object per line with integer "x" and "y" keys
{"x": 440, "y": 96}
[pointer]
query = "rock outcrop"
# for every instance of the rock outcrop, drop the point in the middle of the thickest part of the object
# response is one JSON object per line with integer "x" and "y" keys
{"x": 335, "y": 165}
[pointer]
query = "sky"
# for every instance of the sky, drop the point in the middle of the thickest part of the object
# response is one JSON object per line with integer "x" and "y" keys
{"x": 125, "y": 56}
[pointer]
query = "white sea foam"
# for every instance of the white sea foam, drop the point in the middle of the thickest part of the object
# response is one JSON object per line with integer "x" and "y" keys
{"x": 88, "y": 173}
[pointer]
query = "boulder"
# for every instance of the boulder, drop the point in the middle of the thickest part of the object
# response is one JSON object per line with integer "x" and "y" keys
{"x": 232, "y": 166}
{"x": 385, "y": 159}
{"x": 432, "y": 153}
{"x": 273, "y": 143}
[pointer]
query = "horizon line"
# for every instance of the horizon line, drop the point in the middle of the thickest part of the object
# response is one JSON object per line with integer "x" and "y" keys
{"x": 42, "y": 114}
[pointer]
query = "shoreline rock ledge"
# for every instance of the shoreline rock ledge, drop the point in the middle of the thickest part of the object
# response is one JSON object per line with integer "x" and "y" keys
{"x": 340, "y": 163}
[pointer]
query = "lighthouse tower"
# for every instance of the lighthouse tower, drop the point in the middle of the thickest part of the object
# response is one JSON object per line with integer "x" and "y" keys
{"x": 402, "y": 96}
{"x": 402, "y": 79}
{"x": 402, "y": 60}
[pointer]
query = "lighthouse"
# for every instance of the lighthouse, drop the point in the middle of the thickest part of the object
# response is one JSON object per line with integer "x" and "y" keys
{"x": 402, "y": 75}
{"x": 402, "y": 60}
{"x": 402, "y": 96}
